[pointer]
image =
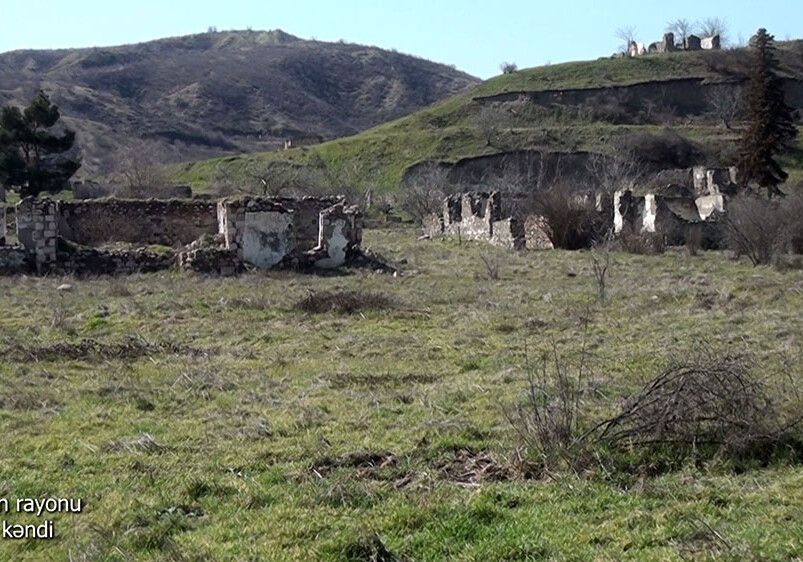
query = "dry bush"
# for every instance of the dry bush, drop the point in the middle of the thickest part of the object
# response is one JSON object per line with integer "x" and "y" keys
{"x": 139, "y": 167}
{"x": 424, "y": 193}
{"x": 641, "y": 243}
{"x": 344, "y": 302}
{"x": 600, "y": 265}
{"x": 571, "y": 222}
{"x": 707, "y": 405}
{"x": 492, "y": 265}
{"x": 793, "y": 208}
{"x": 758, "y": 228}
{"x": 548, "y": 421}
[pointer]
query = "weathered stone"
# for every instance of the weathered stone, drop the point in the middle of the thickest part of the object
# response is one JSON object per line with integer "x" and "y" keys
{"x": 710, "y": 43}
{"x": 668, "y": 43}
{"x": 692, "y": 43}
{"x": 337, "y": 235}
{"x": 537, "y": 234}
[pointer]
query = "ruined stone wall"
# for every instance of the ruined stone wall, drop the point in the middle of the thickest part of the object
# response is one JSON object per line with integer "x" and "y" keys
{"x": 55, "y": 236}
{"x": 85, "y": 260}
{"x": 260, "y": 231}
{"x": 37, "y": 230}
{"x": 339, "y": 233}
{"x": 672, "y": 217}
{"x": 165, "y": 222}
{"x": 306, "y": 211}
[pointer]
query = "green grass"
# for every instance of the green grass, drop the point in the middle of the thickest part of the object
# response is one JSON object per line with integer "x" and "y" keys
{"x": 212, "y": 419}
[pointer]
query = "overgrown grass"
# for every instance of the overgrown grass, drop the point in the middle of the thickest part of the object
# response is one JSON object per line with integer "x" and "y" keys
{"x": 239, "y": 427}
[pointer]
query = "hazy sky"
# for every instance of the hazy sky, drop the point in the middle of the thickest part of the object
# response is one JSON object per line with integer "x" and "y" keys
{"x": 474, "y": 35}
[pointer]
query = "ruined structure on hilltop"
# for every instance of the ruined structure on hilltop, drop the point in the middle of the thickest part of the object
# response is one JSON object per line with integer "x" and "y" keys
{"x": 668, "y": 45}
{"x": 215, "y": 237}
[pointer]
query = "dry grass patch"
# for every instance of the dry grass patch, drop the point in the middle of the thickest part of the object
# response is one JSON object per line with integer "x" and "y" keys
{"x": 345, "y": 302}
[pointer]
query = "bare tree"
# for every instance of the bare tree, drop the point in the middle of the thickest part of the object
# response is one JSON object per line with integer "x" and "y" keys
{"x": 681, "y": 28}
{"x": 726, "y": 102}
{"x": 423, "y": 195}
{"x": 621, "y": 170}
{"x": 487, "y": 123}
{"x": 714, "y": 26}
{"x": 138, "y": 168}
{"x": 627, "y": 35}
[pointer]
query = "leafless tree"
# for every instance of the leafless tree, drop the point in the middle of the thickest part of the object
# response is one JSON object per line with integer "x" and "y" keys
{"x": 423, "y": 195}
{"x": 714, "y": 26}
{"x": 681, "y": 28}
{"x": 620, "y": 170}
{"x": 627, "y": 35}
{"x": 487, "y": 123}
{"x": 138, "y": 168}
{"x": 726, "y": 102}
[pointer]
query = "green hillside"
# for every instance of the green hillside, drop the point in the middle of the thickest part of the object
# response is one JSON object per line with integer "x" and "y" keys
{"x": 517, "y": 111}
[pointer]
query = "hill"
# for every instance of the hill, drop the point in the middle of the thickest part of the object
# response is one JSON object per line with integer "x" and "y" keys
{"x": 573, "y": 108}
{"x": 216, "y": 93}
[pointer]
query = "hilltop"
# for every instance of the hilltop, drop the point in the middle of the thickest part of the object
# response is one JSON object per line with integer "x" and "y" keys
{"x": 216, "y": 93}
{"x": 570, "y": 108}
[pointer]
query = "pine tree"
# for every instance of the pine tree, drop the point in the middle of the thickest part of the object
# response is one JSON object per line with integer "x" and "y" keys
{"x": 33, "y": 155}
{"x": 770, "y": 127}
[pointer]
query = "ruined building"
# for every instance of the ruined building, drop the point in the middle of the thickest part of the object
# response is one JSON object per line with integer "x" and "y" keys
{"x": 217, "y": 237}
{"x": 690, "y": 202}
{"x": 668, "y": 45}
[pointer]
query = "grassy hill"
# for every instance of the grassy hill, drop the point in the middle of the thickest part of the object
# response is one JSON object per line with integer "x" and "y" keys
{"x": 578, "y": 106}
{"x": 209, "y": 94}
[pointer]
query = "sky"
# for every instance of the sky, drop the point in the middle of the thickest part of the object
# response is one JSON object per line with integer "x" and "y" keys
{"x": 474, "y": 35}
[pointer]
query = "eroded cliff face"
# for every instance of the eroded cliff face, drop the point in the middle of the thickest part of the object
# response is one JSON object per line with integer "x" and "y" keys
{"x": 687, "y": 97}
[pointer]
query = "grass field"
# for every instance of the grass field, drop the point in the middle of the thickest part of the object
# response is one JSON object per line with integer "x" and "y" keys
{"x": 214, "y": 419}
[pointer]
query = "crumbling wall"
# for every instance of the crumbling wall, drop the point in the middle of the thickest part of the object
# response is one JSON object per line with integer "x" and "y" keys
{"x": 339, "y": 233}
{"x": 306, "y": 211}
{"x": 672, "y": 217}
{"x": 56, "y": 235}
{"x": 536, "y": 234}
{"x": 172, "y": 222}
{"x": 85, "y": 260}
{"x": 260, "y": 231}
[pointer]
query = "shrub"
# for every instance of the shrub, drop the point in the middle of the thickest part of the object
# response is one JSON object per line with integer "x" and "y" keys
{"x": 642, "y": 243}
{"x": 344, "y": 302}
{"x": 758, "y": 228}
{"x": 709, "y": 406}
{"x": 549, "y": 419}
{"x": 508, "y": 67}
{"x": 571, "y": 221}
{"x": 424, "y": 192}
